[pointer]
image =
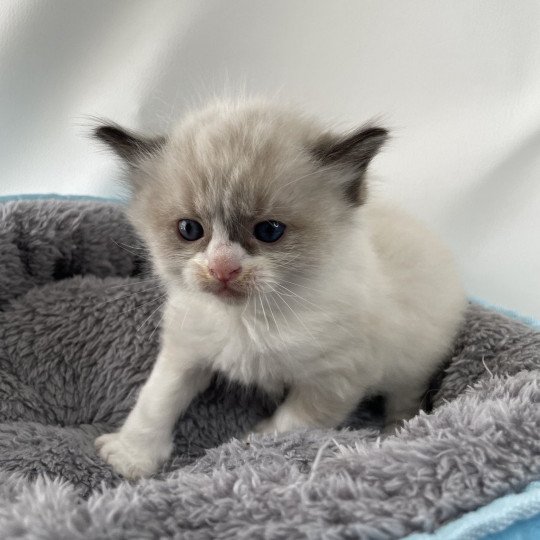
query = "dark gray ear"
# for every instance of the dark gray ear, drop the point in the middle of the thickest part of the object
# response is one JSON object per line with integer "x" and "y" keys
{"x": 352, "y": 152}
{"x": 129, "y": 146}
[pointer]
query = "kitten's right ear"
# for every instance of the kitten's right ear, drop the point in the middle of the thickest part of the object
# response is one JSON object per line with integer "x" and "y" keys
{"x": 130, "y": 147}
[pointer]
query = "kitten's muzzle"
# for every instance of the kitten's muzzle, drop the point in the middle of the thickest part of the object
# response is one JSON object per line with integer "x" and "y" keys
{"x": 225, "y": 277}
{"x": 236, "y": 287}
{"x": 224, "y": 265}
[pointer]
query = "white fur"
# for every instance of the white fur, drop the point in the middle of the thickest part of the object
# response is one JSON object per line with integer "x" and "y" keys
{"x": 383, "y": 333}
{"x": 378, "y": 315}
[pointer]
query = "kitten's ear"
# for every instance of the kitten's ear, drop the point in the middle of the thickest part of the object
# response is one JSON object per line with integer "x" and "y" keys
{"x": 352, "y": 153}
{"x": 130, "y": 147}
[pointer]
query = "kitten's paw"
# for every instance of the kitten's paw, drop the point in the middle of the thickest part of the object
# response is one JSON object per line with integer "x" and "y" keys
{"x": 264, "y": 426}
{"x": 131, "y": 459}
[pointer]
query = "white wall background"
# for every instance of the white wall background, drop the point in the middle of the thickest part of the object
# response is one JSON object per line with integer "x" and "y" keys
{"x": 457, "y": 80}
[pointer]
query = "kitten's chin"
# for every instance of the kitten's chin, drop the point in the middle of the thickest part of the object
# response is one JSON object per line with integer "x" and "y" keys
{"x": 227, "y": 295}
{"x": 230, "y": 296}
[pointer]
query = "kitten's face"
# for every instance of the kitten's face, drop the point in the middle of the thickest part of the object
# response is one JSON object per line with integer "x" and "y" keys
{"x": 243, "y": 203}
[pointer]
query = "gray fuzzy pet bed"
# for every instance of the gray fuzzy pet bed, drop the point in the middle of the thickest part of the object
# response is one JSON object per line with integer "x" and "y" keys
{"x": 78, "y": 318}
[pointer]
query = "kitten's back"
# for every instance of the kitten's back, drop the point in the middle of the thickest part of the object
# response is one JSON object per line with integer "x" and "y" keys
{"x": 421, "y": 271}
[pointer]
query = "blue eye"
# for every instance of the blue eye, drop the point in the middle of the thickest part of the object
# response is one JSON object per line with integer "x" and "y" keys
{"x": 269, "y": 231}
{"x": 190, "y": 229}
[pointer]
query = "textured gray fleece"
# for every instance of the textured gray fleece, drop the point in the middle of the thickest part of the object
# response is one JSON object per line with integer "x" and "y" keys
{"x": 77, "y": 339}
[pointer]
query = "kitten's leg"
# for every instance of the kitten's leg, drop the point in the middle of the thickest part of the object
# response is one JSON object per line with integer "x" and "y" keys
{"x": 145, "y": 439}
{"x": 310, "y": 406}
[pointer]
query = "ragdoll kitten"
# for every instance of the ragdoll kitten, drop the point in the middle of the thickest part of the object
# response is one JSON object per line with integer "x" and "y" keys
{"x": 280, "y": 272}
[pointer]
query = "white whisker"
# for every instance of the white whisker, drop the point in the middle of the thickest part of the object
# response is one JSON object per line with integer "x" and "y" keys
{"x": 126, "y": 296}
{"x": 273, "y": 316}
{"x": 144, "y": 304}
{"x": 297, "y": 295}
{"x": 264, "y": 312}
{"x": 132, "y": 283}
{"x": 184, "y": 319}
{"x": 157, "y": 325}
{"x": 149, "y": 317}
{"x": 298, "y": 317}
{"x": 123, "y": 247}
{"x": 247, "y": 304}
{"x": 301, "y": 285}
{"x": 319, "y": 308}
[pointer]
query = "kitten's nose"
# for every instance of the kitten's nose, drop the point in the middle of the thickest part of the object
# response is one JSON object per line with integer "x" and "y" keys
{"x": 224, "y": 270}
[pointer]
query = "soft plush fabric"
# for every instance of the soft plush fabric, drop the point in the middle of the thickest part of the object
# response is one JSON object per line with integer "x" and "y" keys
{"x": 79, "y": 320}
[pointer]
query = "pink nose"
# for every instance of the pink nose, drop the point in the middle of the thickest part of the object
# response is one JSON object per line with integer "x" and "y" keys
{"x": 224, "y": 270}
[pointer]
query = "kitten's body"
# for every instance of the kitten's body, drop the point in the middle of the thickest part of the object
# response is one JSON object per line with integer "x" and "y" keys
{"x": 357, "y": 298}
{"x": 385, "y": 327}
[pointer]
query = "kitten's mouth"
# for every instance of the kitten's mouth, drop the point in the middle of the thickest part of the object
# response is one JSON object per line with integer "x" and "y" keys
{"x": 227, "y": 293}
{"x": 235, "y": 290}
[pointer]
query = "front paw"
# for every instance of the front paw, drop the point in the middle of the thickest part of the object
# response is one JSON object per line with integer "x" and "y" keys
{"x": 264, "y": 426}
{"x": 131, "y": 456}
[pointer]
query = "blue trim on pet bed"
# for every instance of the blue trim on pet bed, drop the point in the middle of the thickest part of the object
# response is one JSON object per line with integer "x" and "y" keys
{"x": 530, "y": 321}
{"x": 528, "y": 529}
{"x": 515, "y": 516}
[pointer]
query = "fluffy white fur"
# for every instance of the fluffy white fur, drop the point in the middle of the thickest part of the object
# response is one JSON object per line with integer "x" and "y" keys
{"x": 374, "y": 311}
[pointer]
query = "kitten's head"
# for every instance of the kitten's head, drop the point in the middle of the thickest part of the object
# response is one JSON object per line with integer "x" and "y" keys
{"x": 244, "y": 199}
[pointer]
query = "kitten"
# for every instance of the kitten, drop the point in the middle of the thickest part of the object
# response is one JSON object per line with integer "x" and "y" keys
{"x": 280, "y": 271}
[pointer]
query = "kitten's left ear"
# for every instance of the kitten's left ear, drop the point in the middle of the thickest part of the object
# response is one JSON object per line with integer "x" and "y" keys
{"x": 353, "y": 153}
{"x": 130, "y": 147}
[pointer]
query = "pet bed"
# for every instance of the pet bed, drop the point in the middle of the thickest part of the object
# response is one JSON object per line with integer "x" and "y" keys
{"x": 79, "y": 314}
